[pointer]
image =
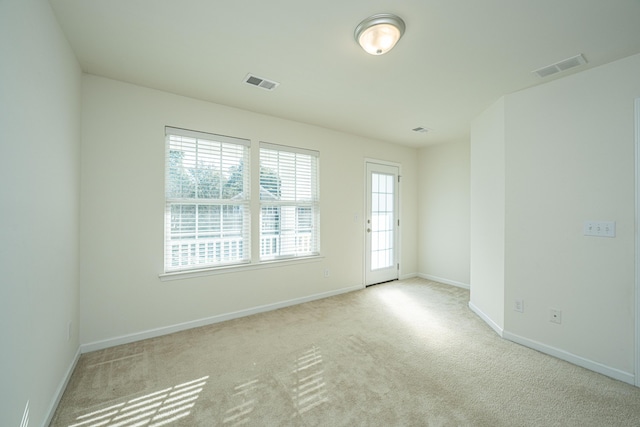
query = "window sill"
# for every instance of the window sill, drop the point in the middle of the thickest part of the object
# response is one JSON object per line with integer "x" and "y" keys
{"x": 179, "y": 275}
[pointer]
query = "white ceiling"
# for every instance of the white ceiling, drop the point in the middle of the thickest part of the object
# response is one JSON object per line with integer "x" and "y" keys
{"x": 455, "y": 59}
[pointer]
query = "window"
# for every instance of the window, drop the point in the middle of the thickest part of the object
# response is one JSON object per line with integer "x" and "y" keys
{"x": 207, "y": 212}
{"x": 208, "y": 209}
{"x": 289, "y": 205}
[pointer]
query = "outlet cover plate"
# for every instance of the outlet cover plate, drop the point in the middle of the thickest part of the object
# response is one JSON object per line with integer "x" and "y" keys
{"x": 555, "y": 316}
{"x": 518, "y": 305}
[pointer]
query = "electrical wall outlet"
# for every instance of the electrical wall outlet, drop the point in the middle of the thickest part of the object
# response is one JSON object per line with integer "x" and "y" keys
{"x": 326, "y": 272}
{"x": 518, "y": 305}
{"x": 555, "y": 316}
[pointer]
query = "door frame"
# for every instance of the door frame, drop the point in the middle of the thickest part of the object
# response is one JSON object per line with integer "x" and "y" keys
{"x": 368, "y": 160}
{"x": 637, "y": 242}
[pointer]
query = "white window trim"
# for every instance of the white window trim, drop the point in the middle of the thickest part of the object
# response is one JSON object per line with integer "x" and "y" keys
{"x": 204, "y": 135}
{"x": 198, "y": 135}
{"x": 317, "y": 232}
{"x": 290, "y": 149}
{"x": 236, "y": 268}
{"x": 254, "y": 263}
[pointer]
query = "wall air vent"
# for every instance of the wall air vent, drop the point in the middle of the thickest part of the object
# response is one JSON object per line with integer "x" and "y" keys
{"x": 260, "y": 82}
{"x": 563, "y": 65}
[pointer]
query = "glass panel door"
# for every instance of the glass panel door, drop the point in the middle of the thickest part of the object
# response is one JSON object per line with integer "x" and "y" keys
{"x": 381, "y": 223}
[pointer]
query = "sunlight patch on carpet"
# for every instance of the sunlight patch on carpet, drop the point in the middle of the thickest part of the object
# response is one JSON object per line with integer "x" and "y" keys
{"x": 414, "y": 315}
{"x": 309, "y": 390}
{"x": 152, "y": 410}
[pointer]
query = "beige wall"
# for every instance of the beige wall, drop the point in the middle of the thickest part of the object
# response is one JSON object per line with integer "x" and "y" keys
{"x": 122, "y": 199}
{"x": 488, "y": 214}
{"x": 40, "y": 136}
{"x": 570, "y": 158}
{"x": 443, "y": 197}
{"x": 566, "y": 152}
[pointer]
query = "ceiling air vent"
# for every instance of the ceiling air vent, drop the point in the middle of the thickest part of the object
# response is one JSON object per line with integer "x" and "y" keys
{"x": 421, "y": 129}
{"x": 260, "y": 82}
{"x": 563, "y": 65}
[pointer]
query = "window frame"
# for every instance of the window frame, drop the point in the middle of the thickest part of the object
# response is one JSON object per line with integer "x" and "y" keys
{"x": 254, "y": 209}
{"x": 215, "y": 248}
{"x": 312, "y": 202}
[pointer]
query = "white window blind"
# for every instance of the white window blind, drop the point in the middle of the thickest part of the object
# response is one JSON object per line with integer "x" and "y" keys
{"x": 207, "y": 212}
{"x": 289, "y": 202}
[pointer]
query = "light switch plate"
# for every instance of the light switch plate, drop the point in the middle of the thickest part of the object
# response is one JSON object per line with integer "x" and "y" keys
{"x": 600, "y": 228}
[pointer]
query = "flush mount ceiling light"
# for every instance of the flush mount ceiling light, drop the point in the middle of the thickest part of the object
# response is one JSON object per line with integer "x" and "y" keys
{"x": 378, "y": 34}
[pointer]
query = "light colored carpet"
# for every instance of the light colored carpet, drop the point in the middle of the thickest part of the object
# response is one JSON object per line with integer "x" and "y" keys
{"x": 405, "y": 353}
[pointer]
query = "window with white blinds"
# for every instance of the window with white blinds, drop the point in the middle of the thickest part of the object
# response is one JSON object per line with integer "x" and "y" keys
{"x": 289, "y": 202}
{"x": 207, "y": 212}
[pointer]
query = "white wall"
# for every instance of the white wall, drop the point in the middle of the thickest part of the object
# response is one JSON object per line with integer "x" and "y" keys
{"x": 570, "y": 158}
{"x": 560, "y": 154}
{"x": 122, "y": 201}
{"x": 488, "y": 214}
{"x": 444, "y": 221}
{"x": 40, "y": 135}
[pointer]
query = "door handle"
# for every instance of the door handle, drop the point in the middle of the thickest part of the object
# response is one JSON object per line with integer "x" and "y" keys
{"x": 368, "y": 230}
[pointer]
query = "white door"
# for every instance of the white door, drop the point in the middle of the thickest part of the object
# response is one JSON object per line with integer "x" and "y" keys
{"x": 381, "y": 258}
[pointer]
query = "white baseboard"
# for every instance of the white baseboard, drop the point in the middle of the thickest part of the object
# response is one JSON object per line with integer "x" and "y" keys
{"x": 497, "y": 328}
{"x": 61, "y": 388}
{"x": 572, "y": 358}
{"x": 408, "y": 276}
{"x": 445, "y": 281}
{"x": 556, "y": 352}
{"x": 152, "y": 333}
